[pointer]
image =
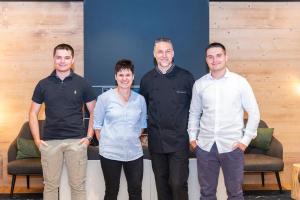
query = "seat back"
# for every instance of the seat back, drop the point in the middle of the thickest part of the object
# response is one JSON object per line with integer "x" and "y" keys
{"x": 24, "y": 133}
{"x": 275, "y": 150}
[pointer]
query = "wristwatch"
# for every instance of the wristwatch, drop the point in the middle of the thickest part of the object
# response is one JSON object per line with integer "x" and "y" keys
{"x": 89, "y": 138}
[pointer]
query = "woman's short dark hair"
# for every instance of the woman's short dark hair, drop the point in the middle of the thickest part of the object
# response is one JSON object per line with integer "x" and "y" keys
{"x": 124, "y": 64}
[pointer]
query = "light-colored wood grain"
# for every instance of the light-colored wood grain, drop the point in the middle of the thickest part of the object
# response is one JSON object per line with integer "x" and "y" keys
{"x": 295, "y": 193}
{"x": 29, "y": 31}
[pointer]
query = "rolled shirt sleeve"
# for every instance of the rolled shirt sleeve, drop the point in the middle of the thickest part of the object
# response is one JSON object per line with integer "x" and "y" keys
{"x": 99, "y": 114}
{"x": 143, "y": 119}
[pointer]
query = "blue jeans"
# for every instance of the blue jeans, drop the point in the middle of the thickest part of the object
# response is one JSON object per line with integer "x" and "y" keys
{"x": 209, "y": 163}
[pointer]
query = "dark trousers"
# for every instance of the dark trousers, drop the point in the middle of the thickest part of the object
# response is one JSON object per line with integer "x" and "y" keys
{"x": 232, "y": 164}
{"x": 171, "y": 171}
{"x": 134, "y": 175}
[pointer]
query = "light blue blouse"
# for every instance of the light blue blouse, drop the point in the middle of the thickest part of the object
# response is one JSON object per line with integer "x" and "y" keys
{"x": 120, "y": 125}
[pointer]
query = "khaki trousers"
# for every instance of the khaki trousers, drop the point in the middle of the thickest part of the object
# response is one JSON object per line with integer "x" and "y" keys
{"x": 53, "y": 157}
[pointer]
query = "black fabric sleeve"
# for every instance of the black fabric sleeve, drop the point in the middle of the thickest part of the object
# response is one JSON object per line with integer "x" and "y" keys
{"x": 38, "y": 94}
{"x": 143, "y": 90}
{"x": 191, "y": 82}
{"x": 88, "y": 93}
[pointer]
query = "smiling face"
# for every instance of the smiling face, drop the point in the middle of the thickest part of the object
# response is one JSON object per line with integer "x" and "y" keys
{"x": 216, "y": 60}
{"x": 124, "y": 78}
{"x": 163, "y": 53}
{"x": 63, "y": 60}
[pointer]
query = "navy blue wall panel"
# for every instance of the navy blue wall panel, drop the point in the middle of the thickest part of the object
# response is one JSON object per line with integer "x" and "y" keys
{"x": 115, "y": 29}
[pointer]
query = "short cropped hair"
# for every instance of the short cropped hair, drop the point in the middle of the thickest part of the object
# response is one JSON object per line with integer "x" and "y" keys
{"x": 216, "y": 44}
{"x": 124, "y": 64}
{"x": 162, "y": 39}
{"x": 65, "y": 47}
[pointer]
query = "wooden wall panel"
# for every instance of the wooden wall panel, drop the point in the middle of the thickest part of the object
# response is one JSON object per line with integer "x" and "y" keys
{"x": 262, "y": 38}
{"x": 263, "y": 42}
{"x": 29, "y": 31}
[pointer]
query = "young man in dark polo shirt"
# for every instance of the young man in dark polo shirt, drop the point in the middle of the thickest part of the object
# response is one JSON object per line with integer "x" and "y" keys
{"x": 64, "y": 94}
{"x": 168, "y": 91}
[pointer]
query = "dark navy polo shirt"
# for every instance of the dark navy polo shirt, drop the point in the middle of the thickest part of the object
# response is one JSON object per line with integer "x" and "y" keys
{"x": 64, "y": 102}
{"x": 168, "y": 98}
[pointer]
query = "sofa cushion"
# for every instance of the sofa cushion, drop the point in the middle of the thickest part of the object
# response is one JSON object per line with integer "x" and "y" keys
{"x": 27, "y": 149}
{"x": 260, "y": 162}
{"x": 25, "y": 166}
{"x": 263, "y": 138}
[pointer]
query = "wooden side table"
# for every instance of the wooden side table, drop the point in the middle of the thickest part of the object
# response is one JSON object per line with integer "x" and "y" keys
{"x": 1, "y": 166}
{"x": 295, "y": 193}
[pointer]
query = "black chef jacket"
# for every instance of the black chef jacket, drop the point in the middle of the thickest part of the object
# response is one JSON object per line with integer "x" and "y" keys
{"x": 168, "y": 98}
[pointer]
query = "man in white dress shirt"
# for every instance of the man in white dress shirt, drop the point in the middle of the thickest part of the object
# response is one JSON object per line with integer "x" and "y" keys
{"x": 216, "y": 125}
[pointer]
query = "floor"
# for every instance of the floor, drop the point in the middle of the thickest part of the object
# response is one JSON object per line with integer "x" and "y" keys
{"x": 249, "y": 195}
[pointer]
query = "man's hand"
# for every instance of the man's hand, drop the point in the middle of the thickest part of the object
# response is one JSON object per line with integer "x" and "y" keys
{"x": 38, "y": 143}
{"x": 241, "y": 146}
{"x": 84, "y": 141}
{"x": 193, "y": 145}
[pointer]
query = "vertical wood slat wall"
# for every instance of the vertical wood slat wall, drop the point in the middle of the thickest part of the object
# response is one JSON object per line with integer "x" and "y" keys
{"x": 262, "y": 38}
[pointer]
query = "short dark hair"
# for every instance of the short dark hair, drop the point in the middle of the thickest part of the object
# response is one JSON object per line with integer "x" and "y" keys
{"x": 216, "y": 44}
{"x": 65, "y": 47}
{"x": 162, "y": 39}
{"x": 124, "y": 64}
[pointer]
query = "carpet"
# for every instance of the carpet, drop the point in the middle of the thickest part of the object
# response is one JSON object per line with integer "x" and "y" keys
{"x": 267, "y": 194}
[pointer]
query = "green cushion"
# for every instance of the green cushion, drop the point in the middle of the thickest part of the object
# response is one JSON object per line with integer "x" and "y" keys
{"x": 263, "y": 138}
{"x": 27, "y": 149}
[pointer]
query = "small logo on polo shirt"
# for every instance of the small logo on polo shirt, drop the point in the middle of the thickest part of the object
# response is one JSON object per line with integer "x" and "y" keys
{"x": 181, "y": 92}
{"x": 75, "y": 92}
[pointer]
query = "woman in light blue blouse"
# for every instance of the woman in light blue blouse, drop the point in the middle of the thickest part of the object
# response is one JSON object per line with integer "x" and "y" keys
{"x": 119, "y": 120}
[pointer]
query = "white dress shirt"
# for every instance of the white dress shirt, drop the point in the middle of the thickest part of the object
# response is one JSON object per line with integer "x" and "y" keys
{"x": 217, "y": 112}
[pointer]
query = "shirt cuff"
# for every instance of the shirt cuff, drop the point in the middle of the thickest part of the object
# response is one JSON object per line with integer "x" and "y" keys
{"x": 246, "y": 140}
{"x": 193, "y": 136}
{"x": 97, "y": 127}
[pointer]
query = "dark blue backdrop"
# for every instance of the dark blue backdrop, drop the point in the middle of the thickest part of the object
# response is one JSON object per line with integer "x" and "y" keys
{"x": 115, "y": 29}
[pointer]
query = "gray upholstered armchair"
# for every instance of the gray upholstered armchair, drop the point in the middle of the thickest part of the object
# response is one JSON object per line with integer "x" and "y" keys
{"x": 271, "y": 160}
{"x": 22, "y": 167}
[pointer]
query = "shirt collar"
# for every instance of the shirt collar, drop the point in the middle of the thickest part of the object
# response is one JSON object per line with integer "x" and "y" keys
{"x": 226, "y": 75}
{"x": 167, "y": 72}
{"x": 53, "y": 74}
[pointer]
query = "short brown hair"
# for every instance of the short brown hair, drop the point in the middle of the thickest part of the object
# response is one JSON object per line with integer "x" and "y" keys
{"x": 65, "y": 47}
{"x": 216, "y": 44}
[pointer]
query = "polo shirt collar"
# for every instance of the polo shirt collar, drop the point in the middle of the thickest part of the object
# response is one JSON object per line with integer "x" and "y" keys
{"x": 53, "y": 74}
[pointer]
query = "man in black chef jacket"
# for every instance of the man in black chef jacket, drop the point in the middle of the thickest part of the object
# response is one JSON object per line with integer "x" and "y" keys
{"x": 168, "y": 90}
